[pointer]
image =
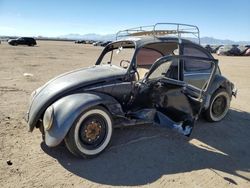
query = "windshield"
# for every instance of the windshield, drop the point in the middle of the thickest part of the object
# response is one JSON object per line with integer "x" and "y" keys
{"x": 119, "y": 54}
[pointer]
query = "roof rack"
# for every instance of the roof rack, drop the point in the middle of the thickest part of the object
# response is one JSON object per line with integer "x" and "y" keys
{"x": 162, "y": 29}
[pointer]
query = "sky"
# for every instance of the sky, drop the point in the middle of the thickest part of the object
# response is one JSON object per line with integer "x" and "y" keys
{"x": 222, "y": 19}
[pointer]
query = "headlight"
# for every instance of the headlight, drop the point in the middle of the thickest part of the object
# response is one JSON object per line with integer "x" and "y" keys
{"x": 48, "y": 118}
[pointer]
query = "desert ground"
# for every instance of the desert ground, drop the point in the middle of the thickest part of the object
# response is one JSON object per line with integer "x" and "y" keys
{"x": 216, "y": 154}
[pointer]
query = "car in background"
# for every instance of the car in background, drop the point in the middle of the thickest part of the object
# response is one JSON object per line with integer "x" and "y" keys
{"x": 105, "y": 43}
{"x": 90, "y": 41}
{"x": 209, "y": 48}
{"x": 80, "y": 42}
{"x": 98, "y": 43}
{"x": 247, "y": 52}
{"x": 22, "y": 41}
{"x": 229, "y": 50}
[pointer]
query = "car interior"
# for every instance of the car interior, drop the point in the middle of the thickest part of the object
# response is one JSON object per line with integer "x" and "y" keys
{"x": 148, "y": 54}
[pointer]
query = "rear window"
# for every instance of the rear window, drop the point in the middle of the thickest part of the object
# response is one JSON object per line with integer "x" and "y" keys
{"x": 147, "y": 57}
{"x": 191, "y": 51}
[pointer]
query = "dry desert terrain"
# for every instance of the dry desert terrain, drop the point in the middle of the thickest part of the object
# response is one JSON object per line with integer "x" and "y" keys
{"x": 216, "y": 154}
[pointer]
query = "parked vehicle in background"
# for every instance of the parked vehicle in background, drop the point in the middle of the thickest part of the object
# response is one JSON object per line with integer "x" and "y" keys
{"x": 98, "y": 43}
{"x": 215, "y": 48}
{"x": 242, "y": 49}
{"x": 90, "y": 41}
{"x": 229, "y": 50}
{"x": 105, "y": 43}
{"x": 80, "y": 42}
{"x": 146, "y": 76}
{"x": 209, "y": 48}
{"x": 247, "y": 53}
{"x": 22, "y": 41}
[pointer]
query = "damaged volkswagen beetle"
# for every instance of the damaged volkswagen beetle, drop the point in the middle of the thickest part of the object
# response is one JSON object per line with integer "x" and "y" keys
{"x": 149, "y": 75}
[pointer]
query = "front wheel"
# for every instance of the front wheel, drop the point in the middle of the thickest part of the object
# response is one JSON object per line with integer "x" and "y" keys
{"x": 219, "y": 106}
{"x": 91, "y": 133}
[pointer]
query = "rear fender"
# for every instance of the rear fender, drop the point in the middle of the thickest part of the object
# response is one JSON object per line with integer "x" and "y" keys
{"x": 218, "y": 82}
{"x": 67, "y": 109}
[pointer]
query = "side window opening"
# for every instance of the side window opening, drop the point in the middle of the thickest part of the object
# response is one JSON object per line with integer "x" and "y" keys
{"x": 194, "y": 66}
{"x": 197, "y": 72}
{"x": 168, "y": 69}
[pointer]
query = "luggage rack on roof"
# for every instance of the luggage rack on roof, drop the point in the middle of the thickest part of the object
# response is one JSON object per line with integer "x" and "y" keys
{"x": 173, "y": 29}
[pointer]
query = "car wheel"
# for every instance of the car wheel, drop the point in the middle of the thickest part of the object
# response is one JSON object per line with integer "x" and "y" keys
{"x": 41, "y": 129}
{"x": 219, "y": 106}
{"x": 91, "y": 133}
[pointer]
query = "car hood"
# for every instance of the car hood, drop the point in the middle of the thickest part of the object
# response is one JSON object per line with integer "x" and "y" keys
{"x": 67, "y": 83}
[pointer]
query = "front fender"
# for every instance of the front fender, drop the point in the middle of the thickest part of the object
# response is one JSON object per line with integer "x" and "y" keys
{"x": 67, "y": 109}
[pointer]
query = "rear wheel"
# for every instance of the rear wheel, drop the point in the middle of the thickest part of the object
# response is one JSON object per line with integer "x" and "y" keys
{"x": 91, "y": 133}
{"x": 219, "y": 106}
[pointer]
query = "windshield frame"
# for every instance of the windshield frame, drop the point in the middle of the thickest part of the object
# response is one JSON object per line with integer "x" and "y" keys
{"x": 113, "y": 46}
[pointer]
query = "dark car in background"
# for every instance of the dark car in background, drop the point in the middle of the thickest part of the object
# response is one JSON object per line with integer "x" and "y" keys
{"x": 22, "y": 41}
{"x": 80, "y": 42}
{"x": 105, "y": 43}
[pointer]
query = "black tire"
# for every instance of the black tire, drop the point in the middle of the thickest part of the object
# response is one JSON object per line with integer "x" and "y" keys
{"x": 95, "y": 122}
{"x": 41, "y": 129}
{"x": 219, "y": 106}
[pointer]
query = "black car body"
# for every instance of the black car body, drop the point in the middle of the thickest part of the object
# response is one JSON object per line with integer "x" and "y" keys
{"x": 80, "y": 42}
{"x": 22, "y": 41}
{"x": 167, "y": 81}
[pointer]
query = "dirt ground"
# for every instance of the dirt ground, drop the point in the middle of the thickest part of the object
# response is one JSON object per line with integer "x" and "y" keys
{"x": 216, "y": 154}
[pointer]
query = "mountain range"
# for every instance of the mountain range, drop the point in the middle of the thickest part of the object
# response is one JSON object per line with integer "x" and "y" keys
{"x": 94, "y": 36}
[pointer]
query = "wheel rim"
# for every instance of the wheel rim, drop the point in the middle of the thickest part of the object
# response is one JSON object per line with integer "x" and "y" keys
{"x": 100, "y": 138}
{"x": 219, "y": 106}
{"x": 93, "y": 131}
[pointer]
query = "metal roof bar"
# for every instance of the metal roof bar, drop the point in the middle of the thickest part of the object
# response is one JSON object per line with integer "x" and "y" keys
{"x": 151, "y": 30}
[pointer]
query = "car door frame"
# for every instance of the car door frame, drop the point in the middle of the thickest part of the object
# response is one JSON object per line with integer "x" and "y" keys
{"x": 203, "y": 92}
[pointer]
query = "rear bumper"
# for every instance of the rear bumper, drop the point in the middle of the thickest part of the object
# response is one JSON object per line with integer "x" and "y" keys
{"x": 234, "y": 92}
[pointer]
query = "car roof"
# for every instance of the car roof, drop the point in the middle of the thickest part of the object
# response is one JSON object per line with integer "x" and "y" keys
{"x": 26, "y": 38}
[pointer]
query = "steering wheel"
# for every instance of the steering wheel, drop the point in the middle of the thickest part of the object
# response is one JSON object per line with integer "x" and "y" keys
{"x": 127, "y": 62}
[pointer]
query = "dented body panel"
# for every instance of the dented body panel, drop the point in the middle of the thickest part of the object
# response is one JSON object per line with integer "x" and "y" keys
{"x": 67, "y": 109}
{"x": 167, "y": 99}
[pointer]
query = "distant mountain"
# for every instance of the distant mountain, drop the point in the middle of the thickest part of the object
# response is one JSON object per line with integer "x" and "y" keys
{"x": 211, "y": 40}
{"x": 90, "y": 36}
{"x": 94, "y": 36}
